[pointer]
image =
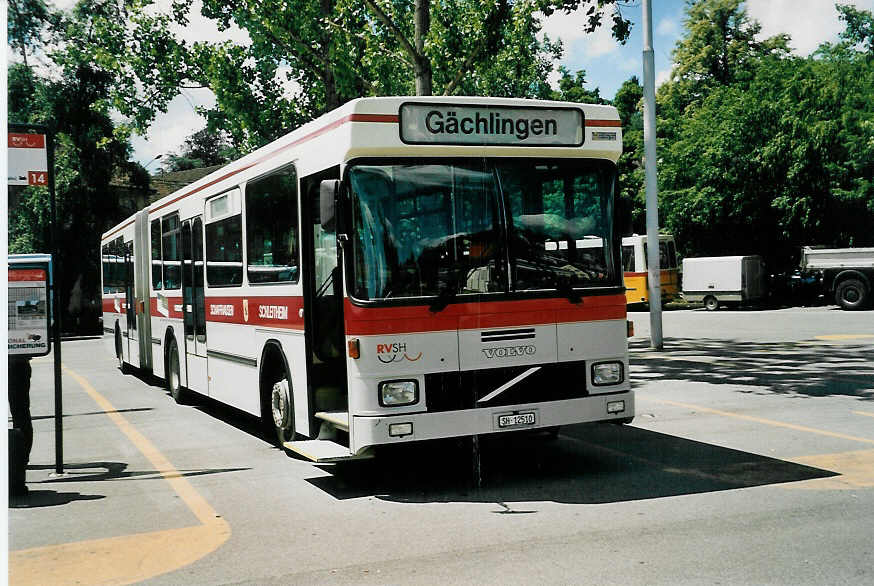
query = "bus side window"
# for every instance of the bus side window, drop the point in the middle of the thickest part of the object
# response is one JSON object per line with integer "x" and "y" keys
{"x": 628, "y": 259}
{"x": 172, "y": 263}
{"x": 224, "y": 252}
{"x": 271, "y": 228}
{"x": 157, "y": 277}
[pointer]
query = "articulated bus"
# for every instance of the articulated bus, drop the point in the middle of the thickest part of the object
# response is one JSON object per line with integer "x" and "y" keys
{"x": 636, "y": 269}
{"x": 399, "y": 269}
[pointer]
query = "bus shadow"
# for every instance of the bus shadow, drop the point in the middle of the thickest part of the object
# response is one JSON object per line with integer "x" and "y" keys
{"x": 808, "y": 369}
{"x": 586, "y": 464}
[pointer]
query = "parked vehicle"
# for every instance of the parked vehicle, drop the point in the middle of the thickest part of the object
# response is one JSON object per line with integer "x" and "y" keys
{"x": 716, "y": 280}
{"x": 636, "y": 268}
{"x": 845, "y": 273}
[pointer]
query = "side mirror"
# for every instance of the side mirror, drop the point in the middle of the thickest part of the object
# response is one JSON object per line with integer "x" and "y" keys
{"x": 327, "y": 204}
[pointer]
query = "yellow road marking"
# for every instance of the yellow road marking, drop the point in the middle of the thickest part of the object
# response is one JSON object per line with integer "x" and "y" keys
{"x": 763, "y": 421}
{"x": 864, "y": 413}
{"x": 856, "y": 470}
{"x": 845, "y": 337}
{"x": 129, "y": 558}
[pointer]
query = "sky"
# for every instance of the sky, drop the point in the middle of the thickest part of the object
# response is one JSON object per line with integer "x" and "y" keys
{"x": 607, "y": 63}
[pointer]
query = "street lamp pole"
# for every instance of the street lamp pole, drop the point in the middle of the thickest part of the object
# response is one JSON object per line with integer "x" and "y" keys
{"x": 652, "y": 189}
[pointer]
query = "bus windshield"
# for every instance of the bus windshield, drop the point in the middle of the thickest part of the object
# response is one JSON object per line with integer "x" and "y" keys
{"x": 481, "y": 226}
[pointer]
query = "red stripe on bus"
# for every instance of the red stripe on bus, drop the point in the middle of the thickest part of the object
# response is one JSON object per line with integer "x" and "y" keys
{"x": 488, "y": 314}
{"x": 275, "y": 312}
{"x": 172, "y": 312}
{"x": 612, "y": 123}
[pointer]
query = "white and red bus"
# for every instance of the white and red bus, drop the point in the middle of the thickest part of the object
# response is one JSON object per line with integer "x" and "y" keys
{"x": 399, "y": 269}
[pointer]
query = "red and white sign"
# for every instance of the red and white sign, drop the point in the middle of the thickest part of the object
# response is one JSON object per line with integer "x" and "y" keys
{"x": 28, "y": 159}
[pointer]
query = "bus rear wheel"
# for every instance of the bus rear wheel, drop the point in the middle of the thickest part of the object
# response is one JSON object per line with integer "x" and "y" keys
{"x": 172, "y": 378}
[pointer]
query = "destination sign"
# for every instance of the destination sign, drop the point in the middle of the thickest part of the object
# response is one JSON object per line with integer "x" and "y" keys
{"x": 490, "y": 125}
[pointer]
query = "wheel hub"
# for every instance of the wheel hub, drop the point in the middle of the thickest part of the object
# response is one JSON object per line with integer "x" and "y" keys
{"x": 279, "y": 404}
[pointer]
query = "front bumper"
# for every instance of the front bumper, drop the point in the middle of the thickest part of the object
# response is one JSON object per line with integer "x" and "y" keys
{"x": 369, "y": 431}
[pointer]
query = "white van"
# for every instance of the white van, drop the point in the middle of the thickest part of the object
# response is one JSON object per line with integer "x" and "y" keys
{"x": 716, "y": 280}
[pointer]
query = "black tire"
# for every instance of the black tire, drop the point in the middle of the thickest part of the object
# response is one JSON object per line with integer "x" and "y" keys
{"x": 852, "y": 294}
{"x": 277, "y": 407}
{"x": 172, "y": 377}
{"x": 711, "y": 303}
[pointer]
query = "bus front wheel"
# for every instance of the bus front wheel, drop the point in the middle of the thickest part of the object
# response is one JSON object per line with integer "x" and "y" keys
{"x": 277, "y": 398}
{"x": 282, "y": 411}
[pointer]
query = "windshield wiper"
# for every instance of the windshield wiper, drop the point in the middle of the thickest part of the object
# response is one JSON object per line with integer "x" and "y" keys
{"x": 563, "y": 286}
{"x": 445, "y": 296}
{"x": 562, "y": 283}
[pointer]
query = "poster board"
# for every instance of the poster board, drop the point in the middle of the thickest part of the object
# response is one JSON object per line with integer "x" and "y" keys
{"x": 28, "y": 305}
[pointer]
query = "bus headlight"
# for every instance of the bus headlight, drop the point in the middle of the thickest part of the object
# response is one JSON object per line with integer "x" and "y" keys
{"x": 607, "y": 373}
{"x": 398, "y": 392}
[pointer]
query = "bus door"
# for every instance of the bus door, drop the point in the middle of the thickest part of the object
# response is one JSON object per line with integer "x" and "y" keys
{"x": 194, "y": 312}
{"x": 323, "y": 304}
{"x": 130, "y": 307}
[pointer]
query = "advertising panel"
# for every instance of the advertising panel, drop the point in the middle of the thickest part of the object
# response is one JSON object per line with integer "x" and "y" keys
{"x": 28, "y": 310}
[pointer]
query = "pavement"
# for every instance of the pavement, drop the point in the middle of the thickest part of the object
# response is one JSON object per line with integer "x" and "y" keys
{"x": 754, "y": 440}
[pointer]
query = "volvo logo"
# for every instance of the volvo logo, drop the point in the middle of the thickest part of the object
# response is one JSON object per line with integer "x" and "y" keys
{"x": 509, "y": 351}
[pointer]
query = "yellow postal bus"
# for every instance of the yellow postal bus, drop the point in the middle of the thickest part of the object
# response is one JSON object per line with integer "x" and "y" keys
{"x": 635, "y": 268}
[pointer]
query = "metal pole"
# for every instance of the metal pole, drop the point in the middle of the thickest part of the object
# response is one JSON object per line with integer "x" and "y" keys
{"x": 652, "y": 190}
{"x": 56, "y": 304}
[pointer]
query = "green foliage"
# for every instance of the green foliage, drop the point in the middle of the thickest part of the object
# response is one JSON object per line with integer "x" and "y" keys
{"x": 776, "y": 155}
{"x": 26, "y": 21}
{"x": 859, "y": 27}
{"x": 572, "y": 88}
{"x": 94, "y": 67}
{"x": 307, "y": 58}
{"x": 204, "y": 148}
{"x": 720, "y": 48}
{"x": 631, "y": 201}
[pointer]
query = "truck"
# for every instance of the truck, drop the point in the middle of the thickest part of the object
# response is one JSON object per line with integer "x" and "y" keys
{"x": 845, "y": 273}
{"x": 724, "y": 280}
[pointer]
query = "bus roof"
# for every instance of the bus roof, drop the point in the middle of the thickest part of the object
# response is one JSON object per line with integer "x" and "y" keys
{"x": 372, "y": 127}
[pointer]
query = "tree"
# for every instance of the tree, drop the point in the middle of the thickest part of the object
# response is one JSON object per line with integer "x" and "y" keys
{"x": 309, "y": 57}
{"x": 631, "y": 200}
{"x": 778, "y": 156}
{"x": 719, "y": 48}
{"x": 572, "y": 88}
{"x": 90, "y": 70}
{"x": 27, "y": 20}
{"x": 201, "y": 149}
{"x": 859, "y": 27}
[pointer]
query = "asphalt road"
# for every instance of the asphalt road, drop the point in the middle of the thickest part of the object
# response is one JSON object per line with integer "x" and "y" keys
{"x": 751, "y": 461}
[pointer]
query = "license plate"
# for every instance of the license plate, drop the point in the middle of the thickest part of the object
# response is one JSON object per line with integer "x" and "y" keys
{"x": 517, "y": 419}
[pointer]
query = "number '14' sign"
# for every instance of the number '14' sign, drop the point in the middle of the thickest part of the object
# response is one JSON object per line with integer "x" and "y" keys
{"x": 37, "y": 178}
